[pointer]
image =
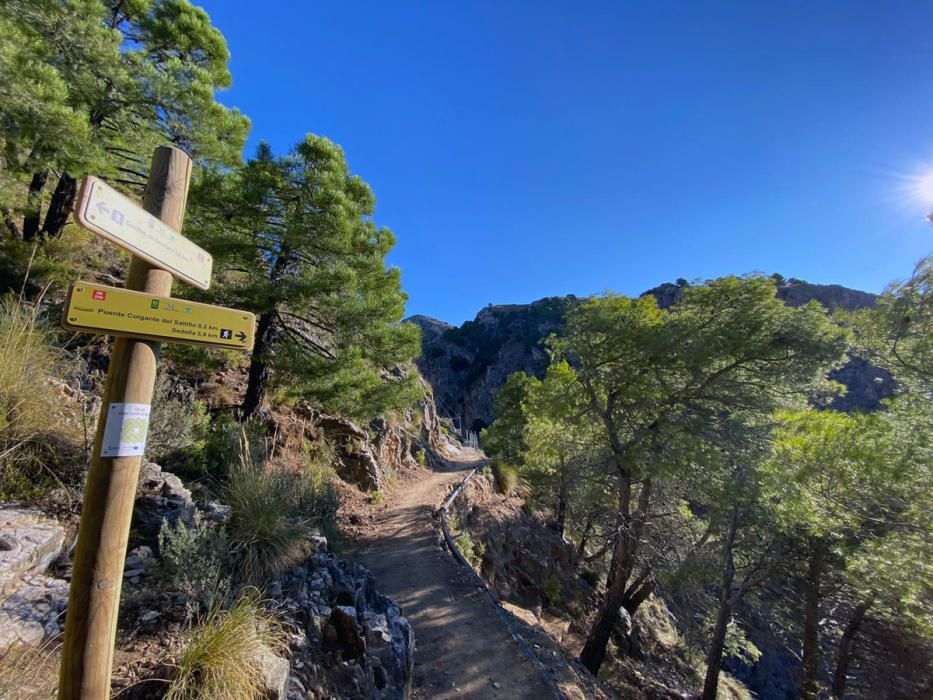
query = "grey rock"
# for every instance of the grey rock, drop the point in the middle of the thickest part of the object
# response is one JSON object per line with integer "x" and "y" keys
{"x": 275, "y": 671}
{"x": 31, "y": 602}
{"x": 161, "y": 496}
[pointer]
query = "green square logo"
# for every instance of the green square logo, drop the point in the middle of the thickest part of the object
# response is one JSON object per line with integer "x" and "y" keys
{"x": 154, "y": 304}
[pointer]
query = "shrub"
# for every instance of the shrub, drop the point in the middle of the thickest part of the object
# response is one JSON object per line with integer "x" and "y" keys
{"x": 273, "y": 511}
{"x": 471, "y": 550}
{"x": 591, "y": 577}
{"x": 223, "y": 657}
{"x": 377, "y": 497}
{"x": 222, "y": 447}
{"x": 551, "y": 591}
{"x": 196, "y": 562}
{"x": 506, "y": 477}
{"x": 37, "y": 436}
{"x": 179, "y": 424}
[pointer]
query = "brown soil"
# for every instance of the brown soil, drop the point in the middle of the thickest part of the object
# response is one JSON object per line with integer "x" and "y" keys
{"x": 463, "y": 649}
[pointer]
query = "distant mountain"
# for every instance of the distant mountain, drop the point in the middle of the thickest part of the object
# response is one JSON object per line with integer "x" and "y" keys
{"x": 466, "y": 365}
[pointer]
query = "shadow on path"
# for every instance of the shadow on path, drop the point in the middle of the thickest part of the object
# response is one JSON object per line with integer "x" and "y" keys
{"x": 463, "y": 649}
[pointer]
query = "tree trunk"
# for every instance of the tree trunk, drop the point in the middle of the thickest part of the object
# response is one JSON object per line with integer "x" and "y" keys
{"x": 631, "y": 528}
{"x": 60, "y": 207}
{"x": 562, "y": 487}
{"x": 723, "y": 614}
{"x": 840, "y": 676}
{"x": 810, "y": 686}
{"x": 259, "y": 370}
{"x": 584, "y": 540}
{"x": 594, "y": 651}
{"x": 33, "y": 214}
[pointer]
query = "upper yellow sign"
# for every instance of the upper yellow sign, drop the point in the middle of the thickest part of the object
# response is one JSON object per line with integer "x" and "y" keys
{"x": 94, "y": 308}
{"x": 108, "y": 213}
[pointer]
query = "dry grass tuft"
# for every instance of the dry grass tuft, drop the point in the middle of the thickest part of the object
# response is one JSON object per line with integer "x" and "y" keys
{"x": 273, "y": 511}
{"x": 33, "y": 430}
{"x": 223, "y": 658}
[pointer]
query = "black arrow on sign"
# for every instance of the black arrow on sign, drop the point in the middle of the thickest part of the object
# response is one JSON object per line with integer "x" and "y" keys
{"x": 242, "y": 336}
{"x": 102, "y": 208}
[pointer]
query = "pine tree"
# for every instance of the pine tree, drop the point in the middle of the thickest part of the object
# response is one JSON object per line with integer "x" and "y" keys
{"x": 90, "y": 86}
{"x": 653, "y": 378}
{"x": 293, "y": 241}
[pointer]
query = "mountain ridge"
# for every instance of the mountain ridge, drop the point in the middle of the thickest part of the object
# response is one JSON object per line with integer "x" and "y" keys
{"x": 465, "y": 365}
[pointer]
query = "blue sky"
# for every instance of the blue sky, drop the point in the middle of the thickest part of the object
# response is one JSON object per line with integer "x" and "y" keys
{"x": 528, "y": 149}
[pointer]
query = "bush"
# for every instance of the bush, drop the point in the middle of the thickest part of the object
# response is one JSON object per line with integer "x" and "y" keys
{"x": 223, "y": 658}
{"x": 38, "y": 437}
{"x": 471, "y": 550}
{"x": 222, "y": 447}
{"x": 178, "y": 426}
{"x": 551, "y": 591}
{"x": 506, "y": 477}
{"x": 591, "y": 577}
{"x": 196, "y": 562}
{"x": 273, "y": 511}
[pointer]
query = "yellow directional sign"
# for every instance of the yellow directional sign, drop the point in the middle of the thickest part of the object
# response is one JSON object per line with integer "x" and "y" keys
{"x": 109, "y": 214}
{"x": 93, "y": 308}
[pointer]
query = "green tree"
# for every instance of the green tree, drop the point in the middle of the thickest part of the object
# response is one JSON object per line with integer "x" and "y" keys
{"x": 726, "y": 487}
{"x": 294, "y": 242}
{"x": 652, "y": 378}
{"x": 898, "y": 333}
{"x": 563, "y": 459}
{"x": 851, "y": 487}
{"x": 93, "y": 85}
{"x": 505, "y": 439}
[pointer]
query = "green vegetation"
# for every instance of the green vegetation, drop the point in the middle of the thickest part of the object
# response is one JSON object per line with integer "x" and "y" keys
{"x": 38, "y": 434}
{"x": 678, "y": 447}
{"x": 274, "y": 510}
{"x": 328, "y": 311}
{"x": 471, "y": 550}
{"x": 224, "y": 656}
{"x": 197, "y": 562}
{"x": 506, "y": 478}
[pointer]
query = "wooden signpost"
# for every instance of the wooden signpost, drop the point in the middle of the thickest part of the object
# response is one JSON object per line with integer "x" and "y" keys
{"x": 151, "y": 233}
{"x": 110, "y": 215}
{"x": 93, "y": 308}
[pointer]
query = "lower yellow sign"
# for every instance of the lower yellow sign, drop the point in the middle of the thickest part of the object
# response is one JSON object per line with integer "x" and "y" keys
{"x": 94, "y": 308}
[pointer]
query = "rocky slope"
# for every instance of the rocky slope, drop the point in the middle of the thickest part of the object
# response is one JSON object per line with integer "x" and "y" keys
{"x": 467, "y": 365}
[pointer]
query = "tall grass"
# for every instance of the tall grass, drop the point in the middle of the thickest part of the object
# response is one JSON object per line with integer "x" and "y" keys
{"x": 33, "y": 428}
{"x": 506, "y": 477}
{"x": 273, "y": 512}
{"x": 223, "y": 657}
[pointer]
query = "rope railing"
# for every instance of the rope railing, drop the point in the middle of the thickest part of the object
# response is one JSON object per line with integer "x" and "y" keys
{"x": 441, "y": 514}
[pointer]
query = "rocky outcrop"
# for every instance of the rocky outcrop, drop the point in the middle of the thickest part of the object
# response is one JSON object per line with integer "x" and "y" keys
{"x": 347, "y": 634}
{"x": 525, "y": 561}
{"x": 31, "y": 603}
{"x": 366, "y": 457}
{"x": 467, "y": 365}
{"x": 161, "y": 496}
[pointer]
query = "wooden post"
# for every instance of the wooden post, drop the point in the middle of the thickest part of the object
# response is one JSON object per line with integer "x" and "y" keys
{"x": 94, "y": 597}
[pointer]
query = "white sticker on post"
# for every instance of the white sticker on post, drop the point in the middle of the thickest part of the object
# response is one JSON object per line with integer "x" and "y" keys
{"x": 125, "y": 430}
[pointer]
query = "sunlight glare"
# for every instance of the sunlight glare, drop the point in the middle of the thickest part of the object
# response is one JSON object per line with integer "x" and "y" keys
{"x": 923, "y": 189}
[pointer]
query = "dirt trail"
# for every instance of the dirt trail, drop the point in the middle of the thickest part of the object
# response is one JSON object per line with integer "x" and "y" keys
{"x": 462, "y": 647}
